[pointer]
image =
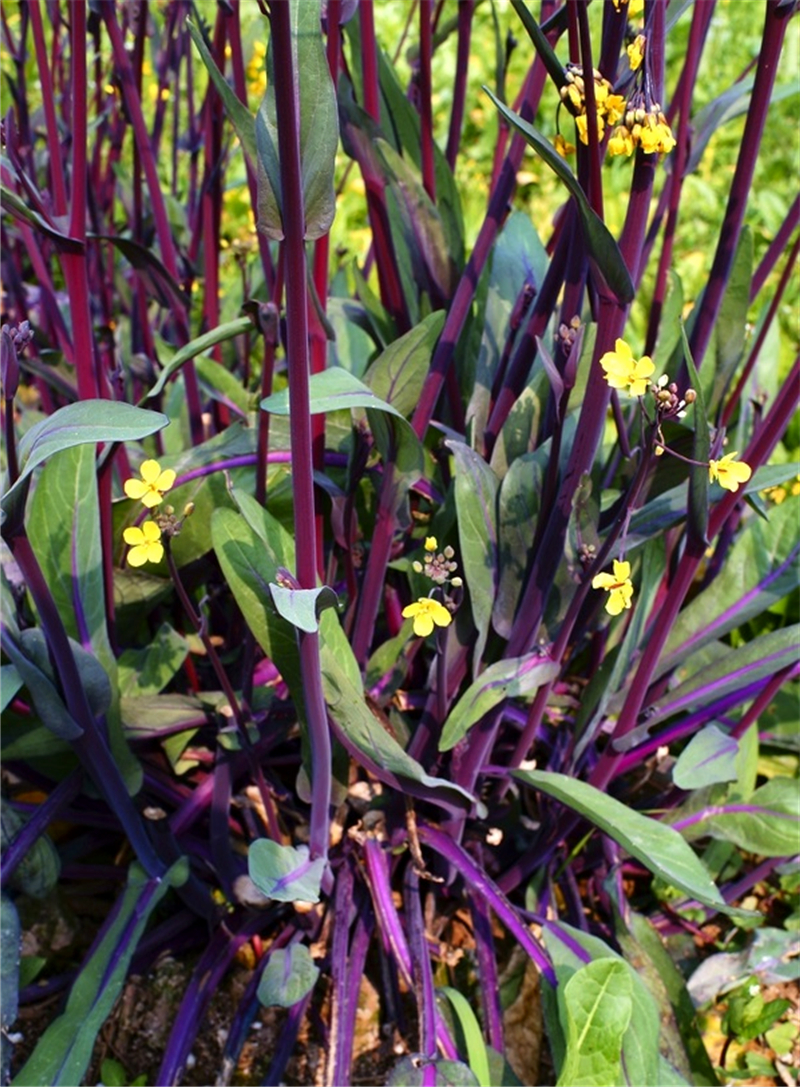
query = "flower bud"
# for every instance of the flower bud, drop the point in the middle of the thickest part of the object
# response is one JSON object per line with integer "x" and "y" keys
{"x": 690, "y": 396}
{"x": 188, "y": 509}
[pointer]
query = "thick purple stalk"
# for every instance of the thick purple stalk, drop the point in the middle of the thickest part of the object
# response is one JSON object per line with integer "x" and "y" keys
{"x": 41, "y": 817}
{"x": 91, "y": 747}
{"x": 465, "y": 10}
{"x": 426, "y": 105}
{"x": 760, "y": 703}
{"x": 163, "y": 229}
{"x": 293, "y": 214}
{"x": 477, "y": 879}
{"x": 777, "y": 19}
{"x": 374, "y": 580}
{"x": 486, "y": 954}
{"x": 377, "y": 873}
{"x": 420, "y": 957}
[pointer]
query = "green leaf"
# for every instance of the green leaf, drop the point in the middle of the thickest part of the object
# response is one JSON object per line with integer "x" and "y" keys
{"x": 543, "y": 47}
{"x": 10, "y": 939}
{"x": 289, "y": 975}
{"x": 85, "y": 422}
{"x": 29, "y": 654}
{"x": 510, "y": 678}
{"x": 477, "y": 1050}
{"x": 318, "y": 135}
{"x": 364, "y": 735}
{"x": 397, "y": 374}
{"x": 223, "y": 386}
{"x": 284, "y": 873}
{"x": 37, "y": 873}
{"x": 147, "y": 671}
{"x": 659, "y": 847}
{"x": 476, "y": 488}
{"x": 412, "y": 1072}
{"x": 641, "y": 1039}
{"x": 598, "y": 1001}
{"x": 303, "y": 607}
{"x": 602, "y": 246}
{"x": 238, "y": 114}
{"x": 10, "y": 683}
{"x": 710, "y": 757}
{"x": 63, "y": 1052}
{"x": 333, "y": 389}
{"x": 197, "y": 347}
{"x": 150, "y": 269}
{"x": 697, "y": 516}
{"x": 147, "y": 716}
{"x": 16, "y": 206}
{"x": 517, "y": 513}
{"x": 768, "y": 824}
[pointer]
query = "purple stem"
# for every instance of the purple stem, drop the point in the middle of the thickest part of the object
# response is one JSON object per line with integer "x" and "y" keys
{"x": 43, "y": 814}
{"x": 487, "y": 971}
{"x": 488, "y": 889}
{"x": 776, "y": 21}
{"x": 293, "y": 214}
{"x": 465, "y": 10}
{"x": 426, "y": 106}
{"x": 420, "y": 956}
{"x": 776, "y": 248}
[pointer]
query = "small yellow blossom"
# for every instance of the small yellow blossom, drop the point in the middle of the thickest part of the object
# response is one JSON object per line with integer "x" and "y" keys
{"x": 623, "y": 371}
{"x": 621, "y": 142}
{"x": 635, "y": 52}
{"x": 730, "y": 472}
{"x": 582, "y": 124}
{"x": 426, "y": 612}
{"x": 153, "y": 485}
{"x": 654, "y": 136}
{"x": 431, "y": 543}
{"x": 618, "y": 585}
{"x": 145, "y": 544}
{"x": 563, "y": 147}
{"x": 614, "y": 107}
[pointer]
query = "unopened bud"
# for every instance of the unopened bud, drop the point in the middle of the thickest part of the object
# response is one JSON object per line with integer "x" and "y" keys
{"x": 690, "y": 396}
{"x": 456, "y": 582}
{"x": 188, "y": 509}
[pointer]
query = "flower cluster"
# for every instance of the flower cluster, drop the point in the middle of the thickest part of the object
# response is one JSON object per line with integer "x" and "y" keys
{"x": 427, "y": 611}
{"x": 610, "y": 107}
{"x": 145, "y": 541}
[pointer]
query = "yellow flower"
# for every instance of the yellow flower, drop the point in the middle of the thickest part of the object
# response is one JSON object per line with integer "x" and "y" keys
{"x": 621, "y": 142}
{"x": 654, "y": 136}
{"x": 730, "y": 473}
{"x": 563, "y": 147}
{"x": 635, "y": 52}
{"x": 153, "y": 484}
{"x": 581, "y": 123}
{"x": 145, "y": 544}
{"x": 614, "y": 108}
{"x": 618, "y": 585}
{"x": 623, "y": 371}
{"x": 431, "y": 543}
{"x": 425, "y": 613}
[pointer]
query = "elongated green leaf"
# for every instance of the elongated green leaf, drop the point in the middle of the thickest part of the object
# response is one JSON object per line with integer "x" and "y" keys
{"x": 86, "y": 422}
{"x": 640, "y": 1042}
{"x": 477, "y": 1050}
{"x": 768, "y": 824}
{"x": 239, "y": 115}
{"x": 10, "y": 940}
{"x": 517, "y": 513}
{"x": 397, "y": 374}
{"x": 598, "y": 1002}
{"x": 510, "y": 678}
{"x": 151, "y": 270}
{"x": 153, "y": 715}
{"x": 147, "y": 671}
{"x": 283, "y": 872}
{"x": 289, "y": 975}
{"x": 543, "y": 47}
{"x": 602, "y": 246}
{"x": 736, "y": 669}
{"x": 658, "y": 846}
{"x": 698, "y": 473}
{"x": 196, "y": 347}
{"x": 333, "y": 389}
{"x": 476, "y": 488}
{"x": 10, "y": 683}
{"x": 363, "y": 734}
{"x": 63, "y": 1052}
{"x": 38, "y": 871}
{"x": 17, "y": 207}
{"x": 413, "y": 1072}
{"x": 319, "y": 129}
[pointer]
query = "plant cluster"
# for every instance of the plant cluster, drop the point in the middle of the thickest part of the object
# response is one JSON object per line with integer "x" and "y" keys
{"x": 359, "y": 607}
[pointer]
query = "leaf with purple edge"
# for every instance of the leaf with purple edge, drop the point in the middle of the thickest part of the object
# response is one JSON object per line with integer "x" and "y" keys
{"x": 768, "y": 824}
{"x": 290, "y": 974}
{"x": 412, "y": 1071}
{"x": 657, "y": 845}
{"x": 511, "y": 678}
{"x": 710, "y": 757}
{"x": 285, "y": 873}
